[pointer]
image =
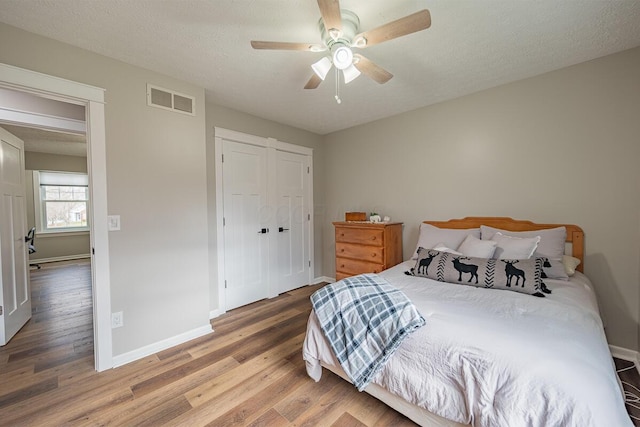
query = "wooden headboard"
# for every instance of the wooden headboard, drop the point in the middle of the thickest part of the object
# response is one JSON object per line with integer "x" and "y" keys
{"x": 575, "y": 235}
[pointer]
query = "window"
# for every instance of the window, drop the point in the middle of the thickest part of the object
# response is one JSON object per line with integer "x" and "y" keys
{"x": 61, "y": 201}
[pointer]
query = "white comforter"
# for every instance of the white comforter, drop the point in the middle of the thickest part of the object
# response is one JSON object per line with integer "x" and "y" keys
{"x": 498, "y": 358}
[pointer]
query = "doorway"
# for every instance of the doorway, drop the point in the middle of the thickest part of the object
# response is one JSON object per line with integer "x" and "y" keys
{"x": 55, "y": 194}
{"x": 92, "y": 98}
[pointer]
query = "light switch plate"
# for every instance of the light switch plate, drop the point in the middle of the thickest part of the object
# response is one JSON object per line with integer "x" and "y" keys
{"x": 114, "y": 222}
{"x": 117, "y": 320}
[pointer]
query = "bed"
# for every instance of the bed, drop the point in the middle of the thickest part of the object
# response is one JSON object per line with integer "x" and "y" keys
{"x": 493, "y": 357}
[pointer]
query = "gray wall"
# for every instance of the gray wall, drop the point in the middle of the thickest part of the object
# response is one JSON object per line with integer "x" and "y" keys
{"x": 218, "y": 116}
{"x": 54, "y": 245}
{"x": 54, "y": 162}
{"x": 562, "y": 147}
{"x": 156, "y": 177}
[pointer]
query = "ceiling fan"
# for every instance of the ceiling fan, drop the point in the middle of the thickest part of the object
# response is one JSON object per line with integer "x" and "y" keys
{"x": 339, "y": 30}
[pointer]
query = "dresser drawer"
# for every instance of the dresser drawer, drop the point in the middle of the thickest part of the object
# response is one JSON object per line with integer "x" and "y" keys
{"x": 360, "y": 236}
{"x": 340, "y": 276}
{"x": 360, "y": 252}
{"x": 366, "y": 247}
{"x": 352, "y": 266}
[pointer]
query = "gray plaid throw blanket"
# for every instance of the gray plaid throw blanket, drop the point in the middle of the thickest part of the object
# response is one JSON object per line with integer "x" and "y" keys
{"x": 365, "y": 319}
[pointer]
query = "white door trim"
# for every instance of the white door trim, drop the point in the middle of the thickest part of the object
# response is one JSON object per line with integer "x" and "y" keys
{"x": 43, "y": 84}
{"x": 222, "y": 301}
{"x": 246, "y": 138}
{"x": 43, "y": 120}
{"x": 93, "y": 98}
{"x": 231, "y": 135}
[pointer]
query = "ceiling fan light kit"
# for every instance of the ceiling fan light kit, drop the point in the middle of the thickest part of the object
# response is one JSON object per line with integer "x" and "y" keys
{"x": 339, "y": 33}
{"x": 322, "y": 67}
{"x": 350, "y": 73}
{"x": 342, "y": 56}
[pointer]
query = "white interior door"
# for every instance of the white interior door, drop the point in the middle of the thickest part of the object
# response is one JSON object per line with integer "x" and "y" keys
{"x": 16, "y": 296}
{"x": 246, "y": 227}
{"x": 293, "y": 259}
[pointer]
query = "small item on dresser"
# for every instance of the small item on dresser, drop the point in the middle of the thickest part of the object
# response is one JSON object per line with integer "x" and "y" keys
{"x": 374, "y": 217}
{"x": 386, "y": 219}
{"x": 355, "y": 216}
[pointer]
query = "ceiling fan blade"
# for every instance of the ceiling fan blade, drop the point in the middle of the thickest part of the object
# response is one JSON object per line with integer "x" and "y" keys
{"x": 313, "y": 82}
{"x": 330, "y": 12}
{"x": 409, "y": 24}
{"x": 256, "y": 44}
{"x": 372, "y": 70}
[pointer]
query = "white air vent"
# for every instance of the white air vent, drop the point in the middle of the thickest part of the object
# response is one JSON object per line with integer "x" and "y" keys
{"x": 170, "y": 100}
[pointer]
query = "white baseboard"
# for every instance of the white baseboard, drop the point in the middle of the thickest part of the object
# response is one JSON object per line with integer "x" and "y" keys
{"x": 323, "y": 279}
{"x": 123, "y": 359}
{"x": 215, "y": 313}
{"x": 58, "y": 258}
{"x": 626, "y": 354}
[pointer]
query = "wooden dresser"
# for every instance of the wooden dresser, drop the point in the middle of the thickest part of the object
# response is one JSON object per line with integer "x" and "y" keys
{"x": 365, "y": 247}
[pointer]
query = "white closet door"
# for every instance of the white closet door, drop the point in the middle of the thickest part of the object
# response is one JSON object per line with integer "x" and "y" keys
{"x": 246, "y": 239}
{"x": 15, "y": 296}
{"x": 292, "y": 237}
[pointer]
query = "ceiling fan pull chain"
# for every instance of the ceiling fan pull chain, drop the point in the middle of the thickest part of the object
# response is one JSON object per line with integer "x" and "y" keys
{"x": 338, "y": 100}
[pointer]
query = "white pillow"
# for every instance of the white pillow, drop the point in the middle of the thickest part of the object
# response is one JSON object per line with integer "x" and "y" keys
{"x": 570, "y": 264}
{"x": 430, "y": 236}
{"x": 552, "y": 240}
{"x": 476, "y": 248}
{"x": 508, "y": 247}
{"x": 443, "y": 248}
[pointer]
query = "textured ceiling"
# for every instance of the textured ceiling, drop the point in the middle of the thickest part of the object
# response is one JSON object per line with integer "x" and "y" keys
{"x": 471, "y": 45}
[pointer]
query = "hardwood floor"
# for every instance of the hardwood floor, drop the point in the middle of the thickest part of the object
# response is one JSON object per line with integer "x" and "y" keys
{"x": 249, "y": 372}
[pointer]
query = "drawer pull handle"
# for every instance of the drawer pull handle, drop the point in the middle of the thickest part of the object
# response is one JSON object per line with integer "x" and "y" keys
{"x": 373, "y": 255}
{"x": 373, "y": 238}
{"x": 342, "y": 250}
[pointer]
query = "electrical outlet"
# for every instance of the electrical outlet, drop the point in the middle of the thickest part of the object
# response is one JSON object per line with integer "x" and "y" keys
{"x": 117, "y": 320}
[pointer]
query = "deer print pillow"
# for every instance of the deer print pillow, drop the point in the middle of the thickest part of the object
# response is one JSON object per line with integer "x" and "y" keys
{"x": 519, "y": 275}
